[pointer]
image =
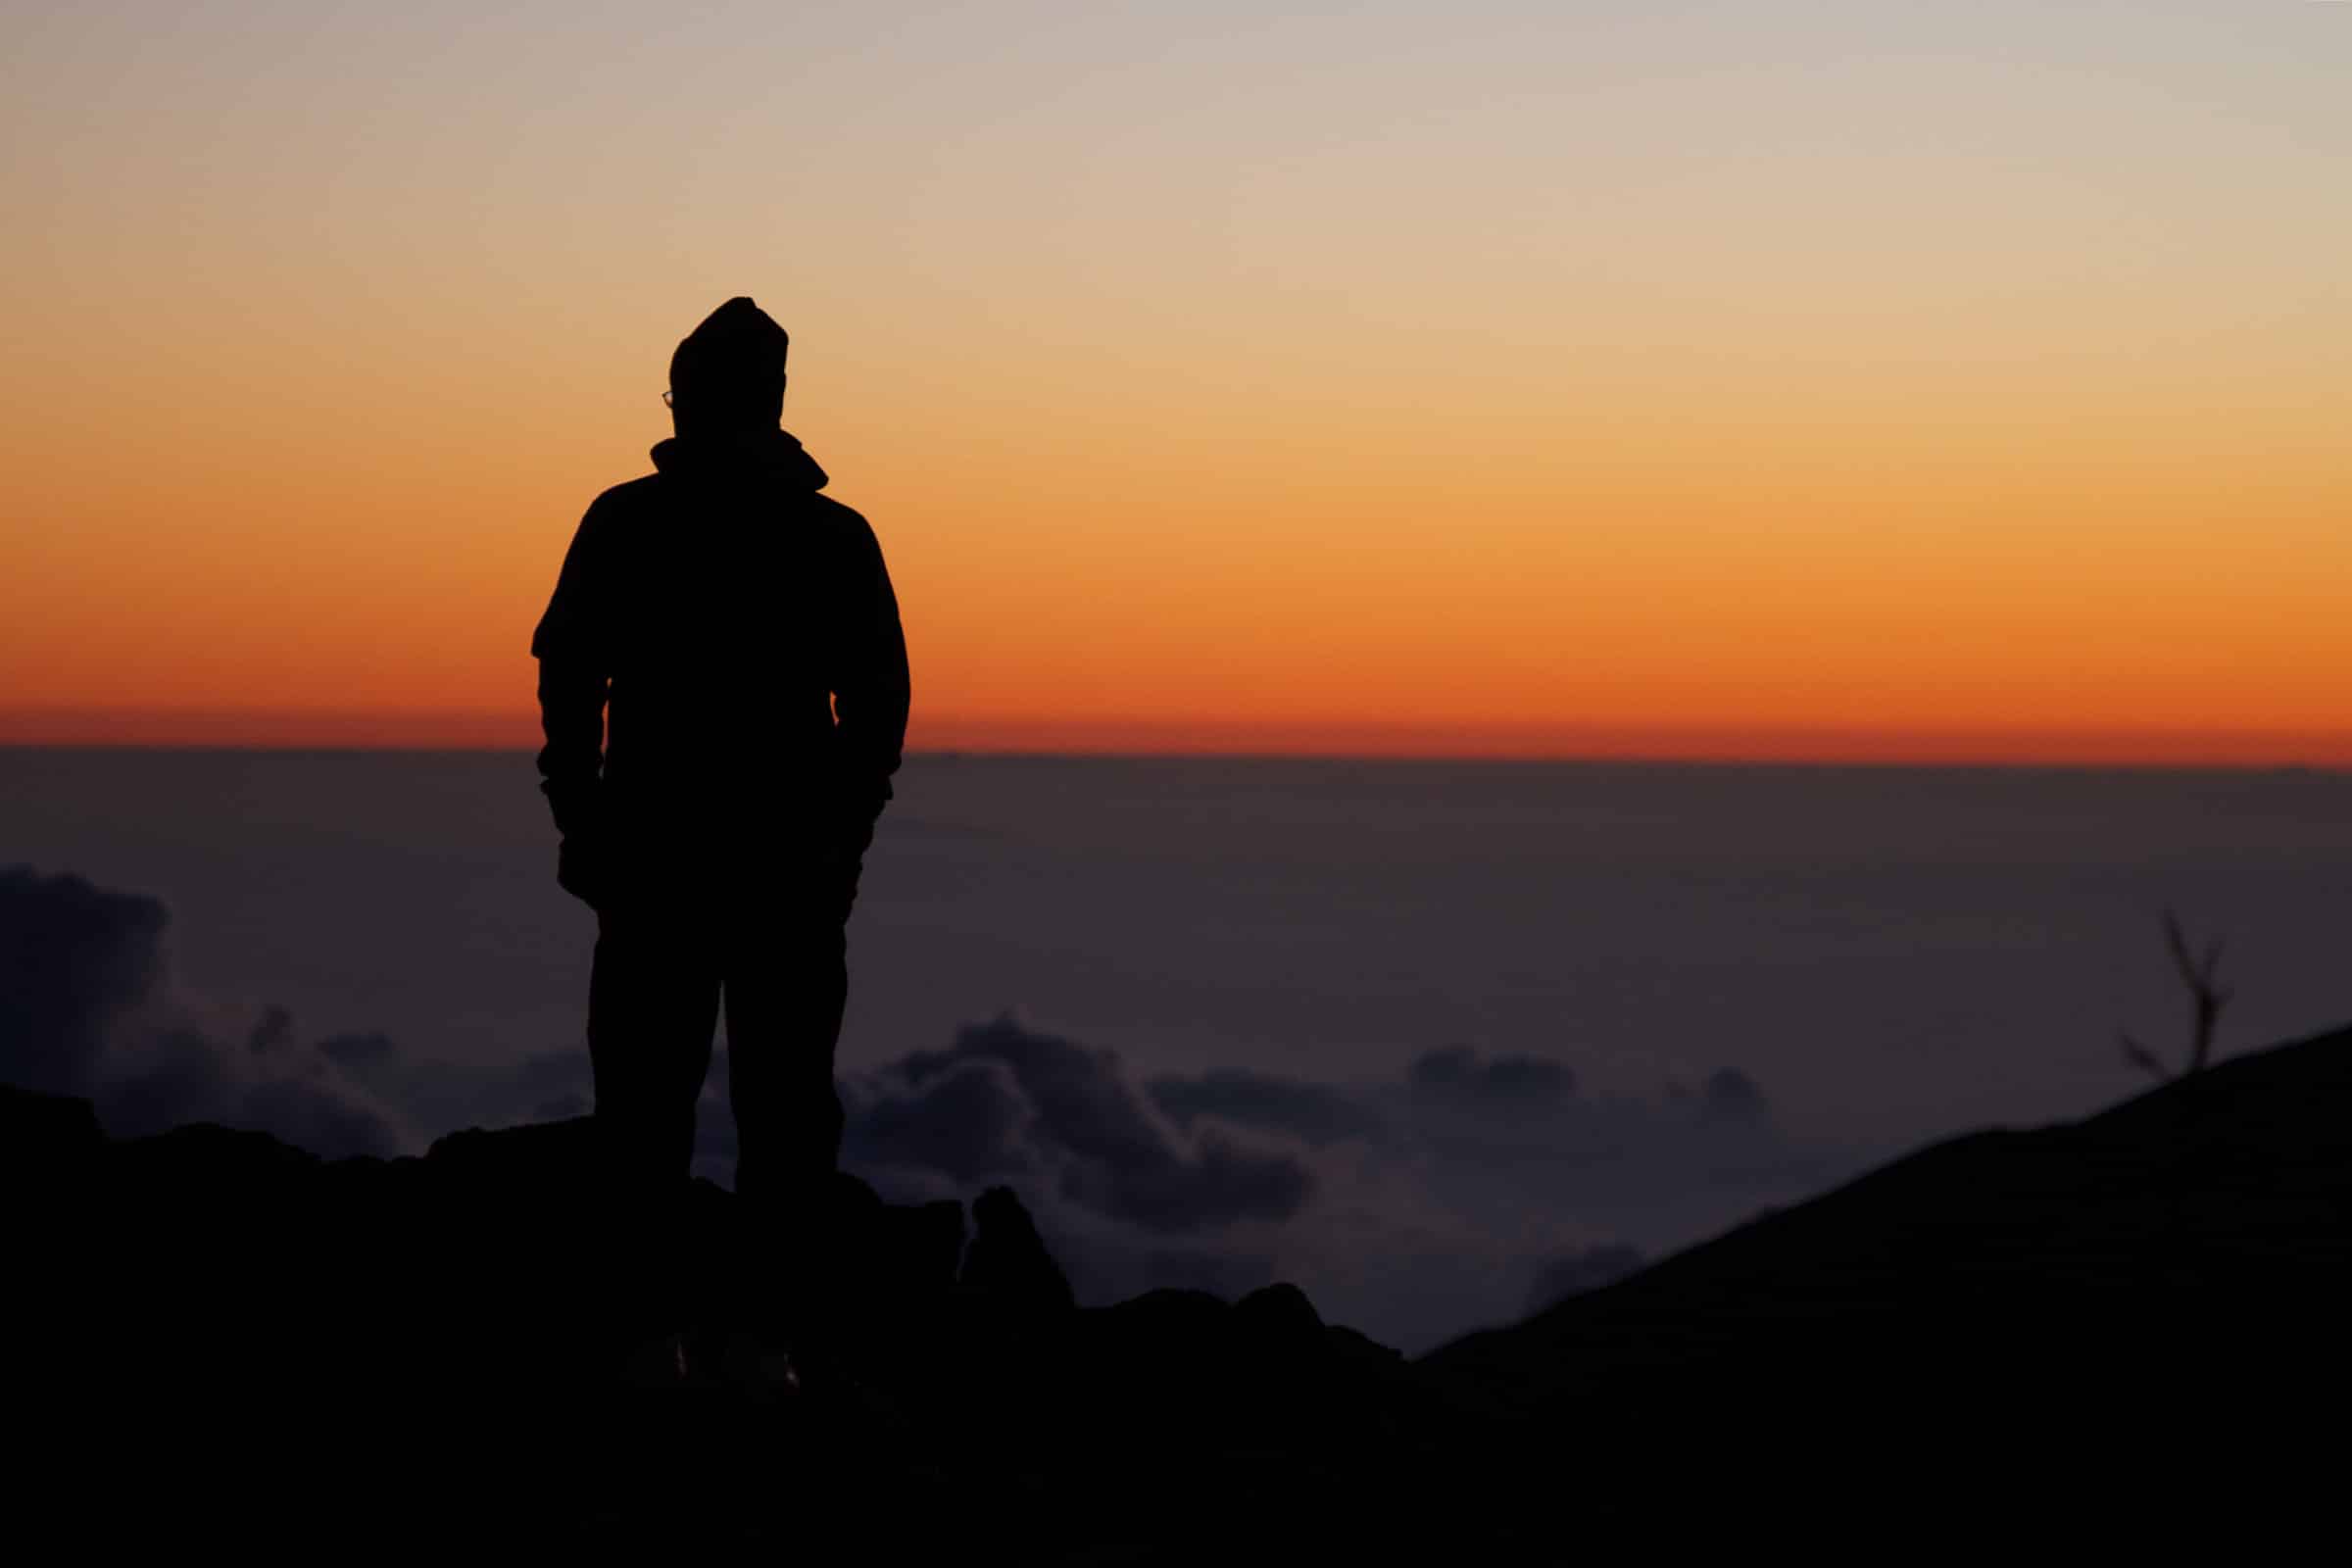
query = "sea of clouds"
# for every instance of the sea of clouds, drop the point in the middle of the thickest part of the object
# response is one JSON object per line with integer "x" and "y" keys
{"x": 1468, "y": 1189}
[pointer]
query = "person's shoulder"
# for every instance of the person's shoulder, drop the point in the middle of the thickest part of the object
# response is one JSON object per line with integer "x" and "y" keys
{"x": 613, "y": 514}
{"x": 846, "y": 522}
{"x": 630, "y": 495}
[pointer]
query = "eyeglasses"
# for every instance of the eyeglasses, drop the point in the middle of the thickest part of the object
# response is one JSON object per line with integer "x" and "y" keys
{"x": 665, "y": 400}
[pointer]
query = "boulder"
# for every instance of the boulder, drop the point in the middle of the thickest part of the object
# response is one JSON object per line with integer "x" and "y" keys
{"x": 1008, "y": 1262}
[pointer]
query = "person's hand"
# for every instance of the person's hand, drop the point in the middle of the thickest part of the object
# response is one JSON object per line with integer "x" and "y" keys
{"x": 581, "y": 869}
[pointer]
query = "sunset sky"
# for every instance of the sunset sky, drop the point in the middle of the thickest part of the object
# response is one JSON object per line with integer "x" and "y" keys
{"x": 1759, "y": 379}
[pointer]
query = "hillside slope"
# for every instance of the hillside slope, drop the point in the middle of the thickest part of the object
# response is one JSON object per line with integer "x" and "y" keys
{"x": 2147, "y": 1292}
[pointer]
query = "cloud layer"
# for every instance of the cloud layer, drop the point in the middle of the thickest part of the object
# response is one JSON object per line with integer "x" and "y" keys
{"x": 1005, "y": 1102}
{"x": 1465, "y": 1187}
{"x": 87, "y": 1008}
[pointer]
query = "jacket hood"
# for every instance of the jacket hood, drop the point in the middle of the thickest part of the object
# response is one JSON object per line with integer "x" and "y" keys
{"x": 776, "y": 457}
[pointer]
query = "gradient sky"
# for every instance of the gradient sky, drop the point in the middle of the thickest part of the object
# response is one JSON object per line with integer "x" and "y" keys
{"x": 1766, "y": 379}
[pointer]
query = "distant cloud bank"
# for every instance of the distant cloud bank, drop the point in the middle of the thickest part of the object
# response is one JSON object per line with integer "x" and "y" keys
{"x": 1469, "y": 1187}
{"x": 87, "y": 1008}
{"x": 1005, "y": 1102}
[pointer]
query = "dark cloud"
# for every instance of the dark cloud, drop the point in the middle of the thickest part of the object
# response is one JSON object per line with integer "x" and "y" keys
{"x": 1430, "y": 1187}
{"x": 1006, "y": 1101}
{"x": 72, "y": 959}
{"x": 1477, "y": 1133}
{"x": 971, "y": 1122}
{"x": 1731, "y": 1094}
{"x": 1315, "y": 1113}
{"x": 1439, "y": 1183}
{"x": 1727, "y": 1097}
{"x": 85, "y": 1009}
{"x": 1222, "y": 1183}
{"x": 1455, "y": 1075}
{"x": 1079, "y": 1098}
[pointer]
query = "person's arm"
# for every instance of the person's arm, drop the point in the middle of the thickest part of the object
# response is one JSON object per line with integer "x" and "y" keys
{"x": 571, "y": 716}
{"x": 572, "y": 648}
{"x": 870, "y": 693}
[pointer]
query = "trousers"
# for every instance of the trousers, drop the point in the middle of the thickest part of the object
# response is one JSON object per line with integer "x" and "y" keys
{"x": 774, "y": 958}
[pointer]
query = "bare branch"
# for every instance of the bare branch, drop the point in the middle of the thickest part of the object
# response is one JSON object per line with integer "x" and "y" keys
{"x": 2207, "y": 997}
{"x": 2175, "y": 942}
{"x": 2140, "y": 1057}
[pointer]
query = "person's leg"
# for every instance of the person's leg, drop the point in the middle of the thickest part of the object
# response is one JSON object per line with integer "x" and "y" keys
{"x": 787, "y": 983}
{"x": 653, "y": 1003}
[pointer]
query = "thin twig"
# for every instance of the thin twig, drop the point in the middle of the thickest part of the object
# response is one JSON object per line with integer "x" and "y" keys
{"x": 2207, "y": 997}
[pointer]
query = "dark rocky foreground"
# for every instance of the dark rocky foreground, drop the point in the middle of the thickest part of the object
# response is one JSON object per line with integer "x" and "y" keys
{"x": 481, "y": 1341}
{"x": 2131, "y": 1324}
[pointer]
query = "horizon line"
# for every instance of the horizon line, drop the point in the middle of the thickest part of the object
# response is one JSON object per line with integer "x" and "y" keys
{"x": 1629, "y": 759}
{"x": 1693, "y": 745}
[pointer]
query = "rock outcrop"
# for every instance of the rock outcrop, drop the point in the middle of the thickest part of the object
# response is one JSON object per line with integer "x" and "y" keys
{"x": 485, "y": 1345}
{"x": 493, "y": 1310}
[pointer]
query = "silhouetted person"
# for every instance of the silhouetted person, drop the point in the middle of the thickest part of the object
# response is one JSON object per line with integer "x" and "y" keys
{"x": 740, "y": 630}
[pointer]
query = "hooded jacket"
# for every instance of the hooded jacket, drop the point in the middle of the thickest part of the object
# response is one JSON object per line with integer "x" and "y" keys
{"x": 742, "y": 632}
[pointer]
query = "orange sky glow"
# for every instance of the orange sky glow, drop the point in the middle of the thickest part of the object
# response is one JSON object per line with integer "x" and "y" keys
{"x": 1217, "y": 380}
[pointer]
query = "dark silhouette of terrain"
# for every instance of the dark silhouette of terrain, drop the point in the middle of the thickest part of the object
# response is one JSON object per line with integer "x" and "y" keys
{"x": 2116, "y": 1327}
